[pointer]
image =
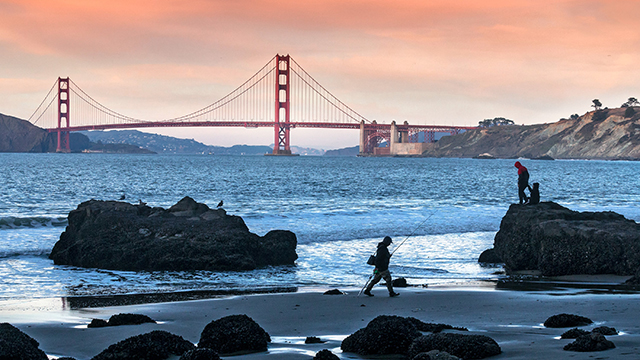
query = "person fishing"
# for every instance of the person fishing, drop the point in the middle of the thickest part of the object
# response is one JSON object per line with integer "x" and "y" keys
{"x": 381, "y": 270}
{"x": 523, "y": 181}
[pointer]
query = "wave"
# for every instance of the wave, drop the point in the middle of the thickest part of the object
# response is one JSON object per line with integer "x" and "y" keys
{"x": 7, "y": 254}
{"x": 11, "y": 222}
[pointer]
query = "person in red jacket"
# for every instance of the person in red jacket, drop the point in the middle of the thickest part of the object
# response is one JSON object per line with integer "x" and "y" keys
{"x": 523, "y": 181}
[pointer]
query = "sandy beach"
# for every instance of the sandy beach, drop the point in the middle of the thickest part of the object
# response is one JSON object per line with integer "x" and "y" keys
{"x": 512, "y": 318}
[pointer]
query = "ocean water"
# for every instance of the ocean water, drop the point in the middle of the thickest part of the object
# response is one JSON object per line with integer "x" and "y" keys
{"x": 444, "y": 211}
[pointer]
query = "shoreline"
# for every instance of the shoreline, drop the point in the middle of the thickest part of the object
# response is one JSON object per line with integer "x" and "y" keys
{"x": 512, "y": 317}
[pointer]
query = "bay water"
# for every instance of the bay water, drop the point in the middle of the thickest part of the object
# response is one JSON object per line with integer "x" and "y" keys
{"x": 447, "y": 210}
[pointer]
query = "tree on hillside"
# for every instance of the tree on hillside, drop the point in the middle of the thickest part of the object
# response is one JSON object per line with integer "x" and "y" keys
{"x": 575, "y": 117}
{"x": 499, "y": 121}
{"x": 631, "y": 102}
{"x": 596, "y": 104}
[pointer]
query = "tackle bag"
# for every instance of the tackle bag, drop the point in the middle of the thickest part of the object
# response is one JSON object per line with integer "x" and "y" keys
{"x": 371, "y": 260}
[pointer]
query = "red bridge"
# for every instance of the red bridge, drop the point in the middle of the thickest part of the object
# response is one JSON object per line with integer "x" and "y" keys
{"x": 281, "y": 95}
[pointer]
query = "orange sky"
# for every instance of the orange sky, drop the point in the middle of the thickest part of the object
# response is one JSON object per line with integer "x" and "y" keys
{"x": 426, "y": 62}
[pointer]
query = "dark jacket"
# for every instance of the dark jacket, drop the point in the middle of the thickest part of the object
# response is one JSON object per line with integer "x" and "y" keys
{"x": 523, "y": 175}
{"x": 382, "y": 257}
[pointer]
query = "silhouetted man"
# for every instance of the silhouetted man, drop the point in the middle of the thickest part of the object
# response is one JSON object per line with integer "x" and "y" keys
{"x": 523, "y": 181}
{"x": 382, "y": 268}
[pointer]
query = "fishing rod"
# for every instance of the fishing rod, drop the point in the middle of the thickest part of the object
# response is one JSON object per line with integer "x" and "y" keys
{"x": 414, "y": 231}
{"x": 397, "y": 247}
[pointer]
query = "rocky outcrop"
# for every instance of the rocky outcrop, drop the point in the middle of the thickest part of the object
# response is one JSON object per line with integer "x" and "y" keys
{"x": 234, "y": 333}
{"x": 151, "y": 346}
{"x": 462, "y": 346}
{"x": 566, "y": 320}
{"x": 188, "y": 236}
{"x": 14, "y": 344}
{"x": 325, "y": 354}
{"x": 554, "y": 240}
{"x": 590, "y": 342}
{"x": 121, "y": 319}
{"x": 602, "y": 134}
{"x": 384, "y": 335}
{"x": 435, "y": 355}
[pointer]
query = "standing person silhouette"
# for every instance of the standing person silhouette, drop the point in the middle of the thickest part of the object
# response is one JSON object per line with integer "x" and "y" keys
{"x": 523, "y": 181}
{"x": 382, "y": 268}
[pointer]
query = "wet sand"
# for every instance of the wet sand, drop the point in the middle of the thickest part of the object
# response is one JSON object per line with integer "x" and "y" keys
{"x": 512, "y": 318}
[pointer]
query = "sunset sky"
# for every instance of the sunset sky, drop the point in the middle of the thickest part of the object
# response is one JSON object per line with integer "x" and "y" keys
{"x": 427, "y": 62}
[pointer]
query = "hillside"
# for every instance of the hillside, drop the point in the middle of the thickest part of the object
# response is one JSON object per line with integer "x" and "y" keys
{"x": 17, "y": 135}
{"x": 602, "y": 134}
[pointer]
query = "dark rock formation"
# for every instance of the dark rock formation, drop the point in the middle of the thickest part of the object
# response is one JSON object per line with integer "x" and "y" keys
{"x": 234, "y": 333}
{"x": 590, "y": 342}
{"x": 489, "y": 256}
{"x": 313, "y": 340}
{"x": 14, "y": 344}
{"x": 399, "y": 282}
{"x": 435, "y": 355}
{"x": 188, "y": 236}
{"x": 573, "y": 333}
{"x": 325, "y": 355}
{"x": 605, "y": 330}
{"x": 566, "y": 320}
{"x": 150, "y": 346}
{"x": 122, "y": 319}
{"x": 557, "y": 241}
{"x": 66, "y": 358}
{"x": 463, "y": 346}
{"x": 431, "y": 327}
{"x": 98, "y": 323}
{"x": 384, "y": 335}
{"x": 200, "y": 354}
{"x": 333, "y": 292}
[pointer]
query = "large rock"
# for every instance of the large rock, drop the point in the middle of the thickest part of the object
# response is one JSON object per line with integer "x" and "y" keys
{"x": 188, "y": 236}
{"x": 462, "y": 346}
{"x": 155, "y": 345}
{"x": 384, "y": 335}
{"x": 558, "y": 241}
{"x": 16, "y": 345}
{"x": 234, "y": 333}
{"x": 590, "y": 342}
{"x": 566, "y": 320}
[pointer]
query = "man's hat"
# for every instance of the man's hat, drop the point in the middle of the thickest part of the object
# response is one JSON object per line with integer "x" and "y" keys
{"x": 387, "y": 239}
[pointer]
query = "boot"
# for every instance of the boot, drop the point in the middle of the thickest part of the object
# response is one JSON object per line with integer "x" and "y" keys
{"x": 393, "y": 294}
{"x": 368, "y": 292}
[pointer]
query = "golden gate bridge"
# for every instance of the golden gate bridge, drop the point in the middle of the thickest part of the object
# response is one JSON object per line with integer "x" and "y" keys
{"x": 281, "y": 95}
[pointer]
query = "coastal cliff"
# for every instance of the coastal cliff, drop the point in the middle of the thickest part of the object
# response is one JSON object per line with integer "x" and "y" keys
{"x": 602, "y": 134}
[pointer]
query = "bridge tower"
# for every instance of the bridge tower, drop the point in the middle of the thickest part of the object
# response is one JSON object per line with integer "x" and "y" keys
{"x": 282, "y": 128}
{"x": 63, "y": 115}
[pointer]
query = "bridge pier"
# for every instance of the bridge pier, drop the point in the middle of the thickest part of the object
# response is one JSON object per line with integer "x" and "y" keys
{"x": 282, "y": 130}
{"x": 63, "y": 115}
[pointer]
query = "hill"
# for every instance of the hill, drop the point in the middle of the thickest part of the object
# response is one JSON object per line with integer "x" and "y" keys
{"x": 601, "y": 134}
{"x": 17, "y": 135}
{"x": 350, "y": 151}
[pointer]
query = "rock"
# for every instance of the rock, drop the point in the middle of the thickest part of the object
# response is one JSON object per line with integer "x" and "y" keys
{"x": 384, "y": 335}
{"x": 435, "y": 355}
{"x": 150, "y": 346}
{"x": 489, "y": 256}
{"x": 333, "y": 292}
{"x": 605, "y": 330}
{"x": 554, "y": 240}
{"x": 325, "y": 355}
{"x": 462, "y": 346}
{"x": 484, "y": 156}
{"x": 543, "y": 157}
{"x": 399, "y": 282}
{"x": 188, "y": 236}
{"x": 234, "y": 333}
{"x": 590, "y": 342}
{"x": 573, "y": 333}
{"x": 200, "y": 354}
{"x": 129, "y": 319}
{"x": 66, "y": 358}
{"x": 14, "y": 344}
{"x": 121, "y": 319}
{"x": 313, "y": 340}
{"x": 566, "y": 320}
{"x": 98, "y": 323}
{"x": 431, "y": 327}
